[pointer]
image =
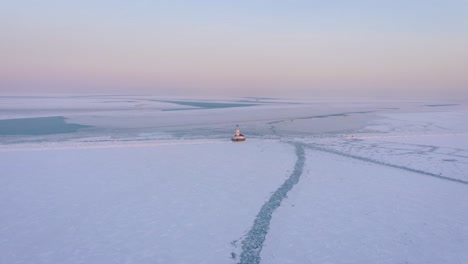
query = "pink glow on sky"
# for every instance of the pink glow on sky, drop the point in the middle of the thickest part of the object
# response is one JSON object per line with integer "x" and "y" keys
{"x": 163, "y": 49}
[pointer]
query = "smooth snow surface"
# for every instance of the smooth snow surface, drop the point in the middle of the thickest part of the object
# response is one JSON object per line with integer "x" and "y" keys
{"x": 164, "y": 204}
{"x": 142, "y": 179}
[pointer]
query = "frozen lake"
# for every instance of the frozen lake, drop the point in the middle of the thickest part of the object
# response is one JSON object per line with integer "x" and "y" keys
{"x": 140, "y": 179}
{"x": 145, "y": 118}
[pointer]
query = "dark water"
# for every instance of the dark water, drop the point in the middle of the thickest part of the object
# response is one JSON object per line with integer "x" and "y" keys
{"x": 208, "y": 105}
{"x": 440, "y": 105}
{"x": 38, "y": 126}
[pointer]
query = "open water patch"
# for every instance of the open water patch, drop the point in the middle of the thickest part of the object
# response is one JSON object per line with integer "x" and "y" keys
{"x": 206, "y": 105}
{"x": 440, "y": 105}
{"x": 345, "y": 114}
{"x": 253, "y": 243}
{"x": 179, "y": 109}
{"x": 38, "y": 126}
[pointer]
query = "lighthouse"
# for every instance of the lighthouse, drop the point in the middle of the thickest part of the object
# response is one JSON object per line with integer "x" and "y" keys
{"x": 238, "y": 136}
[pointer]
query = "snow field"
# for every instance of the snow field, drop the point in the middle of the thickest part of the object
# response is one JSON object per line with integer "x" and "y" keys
{"x": 148, "y": 185}
{"x": 157, "y": 204}
{"x": 348, "y": 211}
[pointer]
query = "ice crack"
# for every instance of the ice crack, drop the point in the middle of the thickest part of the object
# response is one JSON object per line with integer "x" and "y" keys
{"x": 253, "y": 242}
{"x": 439, "y": 176}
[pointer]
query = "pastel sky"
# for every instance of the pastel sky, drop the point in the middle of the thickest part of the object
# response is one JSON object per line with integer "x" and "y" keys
{"x": 384, "y": 49}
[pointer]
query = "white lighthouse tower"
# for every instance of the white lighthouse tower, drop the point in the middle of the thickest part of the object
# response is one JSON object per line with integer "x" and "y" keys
{"x": 238, "y": 136}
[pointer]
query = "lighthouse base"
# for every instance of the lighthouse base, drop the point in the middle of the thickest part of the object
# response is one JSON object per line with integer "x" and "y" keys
{"x": 238, "y": 139}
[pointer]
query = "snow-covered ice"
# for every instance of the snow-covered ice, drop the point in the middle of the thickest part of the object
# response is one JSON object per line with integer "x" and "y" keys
{"x": 349, "y": 211}
{"x": 144, "y": 179}
{"x": 169, "y": 203}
